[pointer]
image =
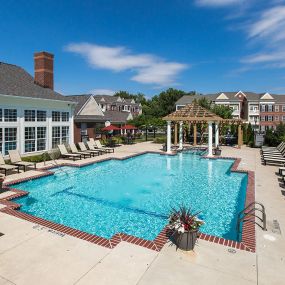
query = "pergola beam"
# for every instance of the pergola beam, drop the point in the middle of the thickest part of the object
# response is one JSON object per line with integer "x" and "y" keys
{"x": 195, "y": 114}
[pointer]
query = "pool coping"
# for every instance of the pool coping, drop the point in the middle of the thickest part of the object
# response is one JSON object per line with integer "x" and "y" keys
{"x": 248, "y": 239}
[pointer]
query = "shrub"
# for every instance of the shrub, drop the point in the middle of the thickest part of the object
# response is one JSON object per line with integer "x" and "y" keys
{"x": 46, "y": 156}
{"x": 159, "y": 140}
{"x": 271, "y": 138}
{"x": 37, "y": 158}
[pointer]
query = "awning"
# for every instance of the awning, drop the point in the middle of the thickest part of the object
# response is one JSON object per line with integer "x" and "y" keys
{"x": 128, "y": 127}
{"x": 111, "y": 128}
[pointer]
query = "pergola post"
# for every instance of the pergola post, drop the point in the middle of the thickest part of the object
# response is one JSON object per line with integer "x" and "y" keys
{"x": 216, "y": 134}
{"x": 180, "y": 135}
{"x": 239, "y": 136}
{"x": 210, "y": 138}
{"x": 189, "y": 131}
{"x": 175, "y": 134}
{"x": 195, "y": 134}
{"x": 168, "y": 144}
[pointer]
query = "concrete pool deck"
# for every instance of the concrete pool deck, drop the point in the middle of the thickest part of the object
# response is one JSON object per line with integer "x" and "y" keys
{"x": 33, "y": 254}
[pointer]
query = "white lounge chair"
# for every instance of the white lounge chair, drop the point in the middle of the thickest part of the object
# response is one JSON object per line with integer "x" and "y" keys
{"x": 102, "y": 148}
{"x": 92, "y": 147}
{"x": 16, "y": 159}
{"x": 74, "y": 149}
{"x": 84, "y": 149}
{"x": 276, "y": 160}
{"x": 279, "y": 149}
{"x": 65, "y": 153}
{"x": 7, "y": 167}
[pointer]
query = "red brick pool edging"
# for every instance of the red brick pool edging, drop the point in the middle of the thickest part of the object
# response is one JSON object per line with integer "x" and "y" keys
{"x": 248, "y": 229}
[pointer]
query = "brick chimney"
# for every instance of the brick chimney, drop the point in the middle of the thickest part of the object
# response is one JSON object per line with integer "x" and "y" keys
{"x": 44, "y": 69}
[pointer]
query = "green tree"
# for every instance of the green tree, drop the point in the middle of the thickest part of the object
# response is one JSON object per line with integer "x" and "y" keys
{"x": 222, "y": 111}
{"x": 164, "y": 103}
{"x": 125, "y": 95}
{"x": 250, "y": 134}
{"x": 273, "y": 138}
{"x": 204, "y": 102}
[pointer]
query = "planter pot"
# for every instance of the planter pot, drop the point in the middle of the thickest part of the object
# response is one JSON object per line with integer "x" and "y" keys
{"x": 1, "y": 183}
{"x": 218, "y": 152}
{"x": 185, "y": 241}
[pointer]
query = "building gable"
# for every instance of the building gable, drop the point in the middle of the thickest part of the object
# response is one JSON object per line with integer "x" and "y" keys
{"x": 266, "y": 96}
{"x": 91, "y": 108}
{"x": 222, "y": 96}
{"x": 130, "y": 117}
{"x": 240, "y": 95}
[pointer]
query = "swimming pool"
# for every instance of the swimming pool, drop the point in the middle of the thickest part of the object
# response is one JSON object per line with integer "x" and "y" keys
{"x": 134, "y": 196}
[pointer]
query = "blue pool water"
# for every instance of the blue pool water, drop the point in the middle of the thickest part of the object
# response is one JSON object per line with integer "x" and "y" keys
{"x": 135, "y": 195}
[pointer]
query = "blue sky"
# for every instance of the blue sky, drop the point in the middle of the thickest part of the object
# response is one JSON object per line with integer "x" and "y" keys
{"x": 147, "y": 46}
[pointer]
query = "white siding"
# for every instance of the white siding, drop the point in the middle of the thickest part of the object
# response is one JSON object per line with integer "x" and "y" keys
{"x": 22, "y": 104}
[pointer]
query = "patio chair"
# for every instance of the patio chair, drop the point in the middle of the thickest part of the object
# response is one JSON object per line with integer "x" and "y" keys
{"x": 16, "y": 159}
{"x": 105, "y": 149}
{"x": 84, "y": 149}
{"x": 7, "y": 167}
{"x": 281, "y": 169}
{"x": 92, "y": 147}
{"x": 65, "y": 153}
{"x": 74, "y": 149}
{"x": 279, "y": 149}
{"x": 272, "y": 147}
{"x": 272, "y": 159}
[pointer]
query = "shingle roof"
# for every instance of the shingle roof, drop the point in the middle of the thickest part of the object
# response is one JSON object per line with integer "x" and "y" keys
{"x": 112, "y": 116}
{"x": 91, "y": 118}
{"x": 188, "y": 99}
{"x": 15, "y": 81}
{"x": 251, "y": 96}
{"x": 116, "y": 116}
{"x": 107, "y": 98}
{"x": 278, "y": 98}
{"x": 80, "y": 99}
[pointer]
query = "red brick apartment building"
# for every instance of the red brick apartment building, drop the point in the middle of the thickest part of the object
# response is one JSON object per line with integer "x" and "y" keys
{"x": 262, "y": 110}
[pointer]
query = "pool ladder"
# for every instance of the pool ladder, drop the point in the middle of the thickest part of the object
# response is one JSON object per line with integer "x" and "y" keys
{"x": 248, "y": 212}
{"x": 54, "y": 161}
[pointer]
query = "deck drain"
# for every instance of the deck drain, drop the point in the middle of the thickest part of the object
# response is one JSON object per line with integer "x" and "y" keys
{"x": 276, "y": 227}
{"x": 230, "y": 250}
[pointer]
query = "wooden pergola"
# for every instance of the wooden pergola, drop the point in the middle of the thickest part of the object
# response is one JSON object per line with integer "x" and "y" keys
{"x": 195, "y": 114}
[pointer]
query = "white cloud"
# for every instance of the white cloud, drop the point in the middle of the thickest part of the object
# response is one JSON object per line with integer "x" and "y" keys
{"x": 102, "y": 92}
{"x": 268, "y": 32}
{"x": 159, "y": 73}
{"x": 149, "y": 69}
{"x": 217, "y": 3}
{"x": 271, "y": 25}
{"x": 265, "y": 57}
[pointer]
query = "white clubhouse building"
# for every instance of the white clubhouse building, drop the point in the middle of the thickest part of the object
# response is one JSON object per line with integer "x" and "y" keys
{"x": 33, "y": 117}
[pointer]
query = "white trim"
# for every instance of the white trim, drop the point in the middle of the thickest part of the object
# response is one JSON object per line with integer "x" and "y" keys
{"x": 32, "y": 98}
{"x": 266, "y": 96}
{"x": 84, "y": 104}
{"x": 240, "y": 92}
{"x": 222, "y": 96}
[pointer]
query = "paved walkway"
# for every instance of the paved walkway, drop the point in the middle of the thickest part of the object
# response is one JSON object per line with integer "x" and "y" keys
{"x": 31, "y": 254}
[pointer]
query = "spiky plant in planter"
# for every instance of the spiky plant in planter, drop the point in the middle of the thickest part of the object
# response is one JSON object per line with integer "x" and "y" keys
{"x": 185, "y": 225}
{"x": 1, "y": 183}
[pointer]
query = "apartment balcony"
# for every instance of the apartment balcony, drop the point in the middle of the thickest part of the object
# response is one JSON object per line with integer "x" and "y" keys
{"x": 253, "y": 112}
{"x": 252, "y": 122}
{"x": 236, "y": 113}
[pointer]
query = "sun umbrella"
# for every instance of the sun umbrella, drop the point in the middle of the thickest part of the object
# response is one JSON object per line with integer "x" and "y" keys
{"x": 128, "y": 127}
{"x": 111, "y": 128}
